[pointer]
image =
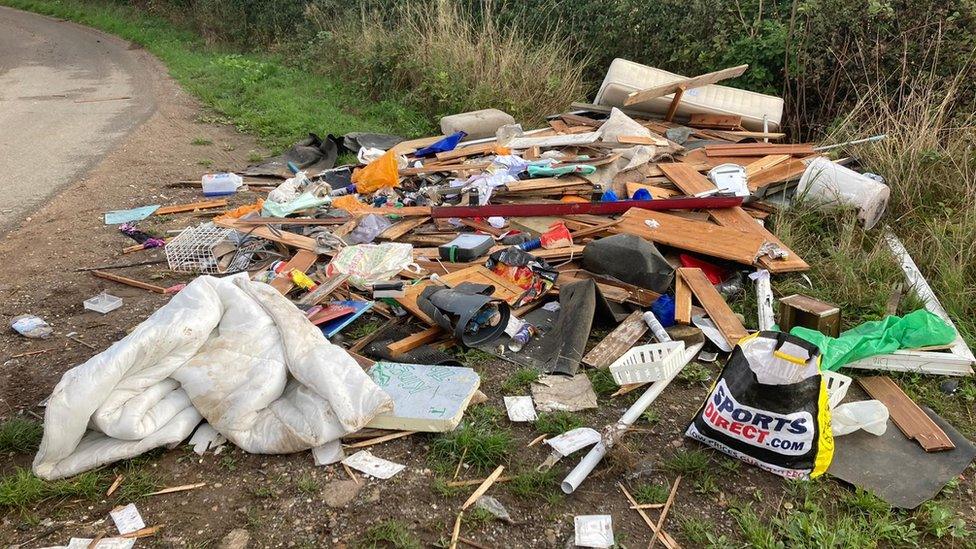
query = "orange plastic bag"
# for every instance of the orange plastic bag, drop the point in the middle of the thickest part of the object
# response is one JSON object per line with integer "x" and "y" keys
{"x": 349, "y": 203}
{"x": 379, "y": 173}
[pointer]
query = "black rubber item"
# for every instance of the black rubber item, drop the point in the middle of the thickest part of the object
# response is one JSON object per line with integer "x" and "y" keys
{"x": 312, "y": 155}
{"x": 455, "y": 308}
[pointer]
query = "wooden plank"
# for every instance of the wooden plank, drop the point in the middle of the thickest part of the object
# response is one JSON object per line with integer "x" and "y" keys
{"x": 714, "y": 304}
{"x": 684, "y": 84}
{"x": 656, "y": 192}
{"x": 785, "y": 171}
{"x": 675, "y": 100}
{"x": 434, "y": 168}
{"x": 682, "y": 301}
{"x": 303, "y": 261}
{"x": 737, "y": 218}
{"x": 753, "y": 169}
{"x": 397, "y": 230}
{"x": 413, "y": 341}
{"x": 480, "y": 491}
{"x": 617, "y": 342}
{"x": 470, "y": 150}
{"x": 192, "y": 207}
{"x": 695, "y": 236}
{"x": 546, "y": 183}
{"x": 909, "y": 418}
{"x": 687, "y": 178}
{"x": 559, "y": 125}
{"x": 579, "y": 120}
{"x": 758, "y": 149}
{"x": 130, "y": 282}
{"x": 715, "y": 121}
{"x": 406, "y": 211}
{"x": 286, "y": 238}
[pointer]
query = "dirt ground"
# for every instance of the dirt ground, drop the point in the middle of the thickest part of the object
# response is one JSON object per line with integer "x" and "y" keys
{"x": 281, "y": 500}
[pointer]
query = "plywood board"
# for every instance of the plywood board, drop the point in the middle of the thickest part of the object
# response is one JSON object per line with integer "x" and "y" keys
{"x": 903, "y": 411}
{"x": 617, "y": 342}
{"x": 695, "y": 236}
{"x": 687, "y": 178}
{"x": 737, "y": 218}
{"x": 714, "y": 304}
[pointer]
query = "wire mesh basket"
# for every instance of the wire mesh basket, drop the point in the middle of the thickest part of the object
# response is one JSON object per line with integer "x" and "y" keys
{"x": 206, "y": 249}
{"x": 647, "y": 363}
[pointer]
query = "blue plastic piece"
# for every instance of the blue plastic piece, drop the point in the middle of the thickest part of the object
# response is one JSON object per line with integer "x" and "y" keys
{"x": 663, "y": 309}
{"x": 531, "y": 244}
{"x": 642, "y": 194}
{"x": 609, "y": 196}
{"x": 449, "y": 143}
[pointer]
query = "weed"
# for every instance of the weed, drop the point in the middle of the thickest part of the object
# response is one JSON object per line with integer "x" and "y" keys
{"x": 688, "y": 462}
{"x": 475, "y": 357}
{"x": 519, "y": 381}
{"x": 254, "y": 157}
{"x": 20, "y": 435}
{"x": 533, "y": 484}
{"x": 651, "y": 493}
{"x": 706, "y": 484}
{"x": 388, "y": 533}
{"x": 695, "y": 372}
{"x": 602, "y": 381}
{"x": 479, "y": 438}
{"x": 205, "y": 162}
{"x": 307, "y": 485}
{"x": 360, "y": 330}
{"x": 199, "y": 141}
{"x": 228, "y": 463}
{"x": 138, "y": 483}
{"x": 480, "y": 516}
{"x": 442, "y": 489}
{"x": 22, "y": 489}
{"x": 652, "y": 417}
{"x": 940, "y": 521}
{"x": 729, "y": 465}
{"x": 261, "y": 492}
{"x": 557, "y": 423}
{"x": 755, "y": 530}
{"x": 700, "y": 533}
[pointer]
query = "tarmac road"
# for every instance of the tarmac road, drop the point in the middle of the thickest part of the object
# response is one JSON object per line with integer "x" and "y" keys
{"x": 68, "y": 95}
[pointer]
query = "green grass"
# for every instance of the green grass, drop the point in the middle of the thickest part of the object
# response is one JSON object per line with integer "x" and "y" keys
{"x": 138, "y": 482}
{"x": 557, "y": 423}
{"x": 651, "y": 492}
{"x": 257, "y": 92}
{"x": 307, "y": 485}
{"x": 532, "y": 484}
{"x": 519, "y": 381}
{"x": 602, "y": 380}
{"x": 389, "y": 533}
{"x": 479, "y": 438}
{"x": 23, "y": 490}
{"x": 20, "y": 435}
{"x": 688, "y": 462}
{"x": 199, "y": 141}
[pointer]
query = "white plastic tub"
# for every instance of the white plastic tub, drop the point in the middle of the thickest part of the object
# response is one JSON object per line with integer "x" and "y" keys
{"x": 648, "y": 363}
{"x": 103, "y": 303}
{"x": 830, "y": 184}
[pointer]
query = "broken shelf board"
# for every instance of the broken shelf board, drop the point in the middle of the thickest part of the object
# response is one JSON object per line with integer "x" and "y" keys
{"x": 684, "y": 84}
{"x": 909, "y": 418}
{"x": 687, "y": 178}
{"x": 714, "y": 304}
{"x": 617, "y": 342}
{"x": 695, "y": 236}
{"x": 737, "y": 218}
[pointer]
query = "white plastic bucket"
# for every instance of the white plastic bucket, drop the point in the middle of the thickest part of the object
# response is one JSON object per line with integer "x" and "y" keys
{"x": 827, "y": 183}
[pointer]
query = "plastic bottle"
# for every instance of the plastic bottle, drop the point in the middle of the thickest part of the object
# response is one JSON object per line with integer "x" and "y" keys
{"x": 220, "y": 184}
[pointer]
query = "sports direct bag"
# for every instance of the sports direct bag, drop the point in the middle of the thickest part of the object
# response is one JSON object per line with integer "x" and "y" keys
{"x": 769, "y": 407}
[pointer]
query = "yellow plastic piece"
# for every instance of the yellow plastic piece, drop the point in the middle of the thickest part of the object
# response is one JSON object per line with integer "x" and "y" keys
{"x": 302, "y": 280}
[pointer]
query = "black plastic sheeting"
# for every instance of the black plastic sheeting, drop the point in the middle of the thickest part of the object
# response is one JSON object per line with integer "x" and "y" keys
{"x": 354, "y": 141}
{"x": 631, "y": 259}
{"x": 312, "y": 155}
{"x": 560, "y": 348}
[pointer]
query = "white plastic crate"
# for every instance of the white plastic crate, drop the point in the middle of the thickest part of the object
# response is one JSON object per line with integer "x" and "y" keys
{"x": 202, "y": 249}
{"x": 647, "y": 363}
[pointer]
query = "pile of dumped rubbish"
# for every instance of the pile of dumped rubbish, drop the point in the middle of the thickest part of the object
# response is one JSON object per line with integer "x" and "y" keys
{"x": 641, "y": 214}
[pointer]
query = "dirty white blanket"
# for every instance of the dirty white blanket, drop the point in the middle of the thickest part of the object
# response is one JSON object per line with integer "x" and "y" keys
{"x": 231, "y": 351}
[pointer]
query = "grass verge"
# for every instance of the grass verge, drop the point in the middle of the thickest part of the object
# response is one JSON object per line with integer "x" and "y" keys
{"x": 20, "y": 435}
{"x": 259, "y": 93}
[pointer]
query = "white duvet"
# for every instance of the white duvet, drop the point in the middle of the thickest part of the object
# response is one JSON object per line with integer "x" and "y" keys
{"x": 234, "y": 352}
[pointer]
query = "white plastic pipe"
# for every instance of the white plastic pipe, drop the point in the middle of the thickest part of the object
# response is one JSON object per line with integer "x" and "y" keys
{"x": 764, "y": 298}
{"x": 593, "y": 457}
{"x": 656, "y": 328}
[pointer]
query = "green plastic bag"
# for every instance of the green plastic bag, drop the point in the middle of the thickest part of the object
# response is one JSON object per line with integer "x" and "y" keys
{"x": 916, "y": 329}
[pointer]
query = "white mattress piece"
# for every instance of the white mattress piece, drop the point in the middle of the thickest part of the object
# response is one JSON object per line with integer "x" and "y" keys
{"x": 624, "y": 77}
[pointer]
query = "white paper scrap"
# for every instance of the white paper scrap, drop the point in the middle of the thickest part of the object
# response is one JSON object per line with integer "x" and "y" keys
{"x": 520, "y": 408}
{"x": 104, "y": 543}
{"x": 367, "y": 463}
{"x": 127, "y": 519}
{"x": 594, "y": 531}
{"x": 574, "y": 440}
